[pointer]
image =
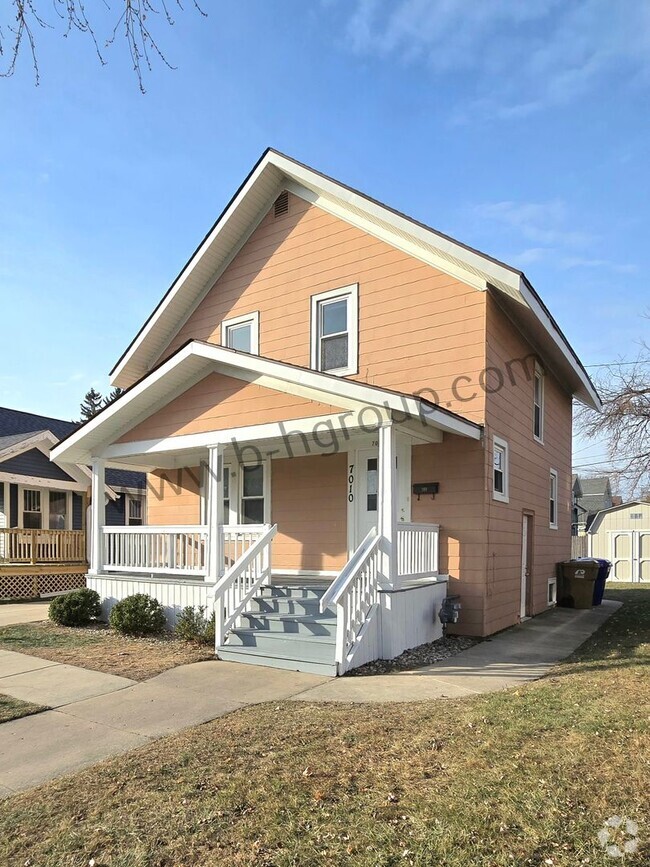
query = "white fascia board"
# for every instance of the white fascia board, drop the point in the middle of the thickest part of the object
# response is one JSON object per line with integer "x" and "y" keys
{"x": 38, "y": 482}
{"x": 36, "y": 441}
{"x": 592, "y": 398}
{"x": 344, "y": 393}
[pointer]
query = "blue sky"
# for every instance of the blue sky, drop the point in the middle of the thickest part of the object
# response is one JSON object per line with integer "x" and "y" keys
{"x": 519, "y": 128}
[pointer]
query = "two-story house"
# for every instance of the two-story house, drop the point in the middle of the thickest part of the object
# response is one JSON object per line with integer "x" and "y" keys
{"x": 345, "y": 416}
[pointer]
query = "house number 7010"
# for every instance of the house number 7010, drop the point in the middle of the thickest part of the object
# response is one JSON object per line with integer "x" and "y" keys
{"x": 351, "y": 484}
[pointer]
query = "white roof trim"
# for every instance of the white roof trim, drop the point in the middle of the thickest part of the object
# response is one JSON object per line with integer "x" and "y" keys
{"x": 274, "y": 172}
{"x": 29, "y": 443}
{"x": 196, "y": 360}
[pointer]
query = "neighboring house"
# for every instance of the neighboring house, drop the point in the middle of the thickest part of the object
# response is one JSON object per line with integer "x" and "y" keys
{"x": 341, "y": 402}
{"x": 621, "y": 534}
{"x": 595, "y": 495}
{"x": 43, "y": 503}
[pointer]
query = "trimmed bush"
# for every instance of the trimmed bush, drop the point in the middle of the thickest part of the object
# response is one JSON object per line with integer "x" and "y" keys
{"x": 193, "y": 625}
{"x": 139, "y": 614}
{"x": 76, "y": 608}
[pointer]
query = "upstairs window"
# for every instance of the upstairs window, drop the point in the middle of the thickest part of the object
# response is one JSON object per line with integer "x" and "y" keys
{"x": 552, "y": 502}
{"x": 242, "y": 333}
{"x": 334, "y": 331}
{"x": 538, "y": 403}
{"x": 500, "y": 472}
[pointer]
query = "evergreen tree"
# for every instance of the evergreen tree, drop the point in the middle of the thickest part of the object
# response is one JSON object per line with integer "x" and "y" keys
{"x": 91, "y": 404}
{"x": 113, "y": 395}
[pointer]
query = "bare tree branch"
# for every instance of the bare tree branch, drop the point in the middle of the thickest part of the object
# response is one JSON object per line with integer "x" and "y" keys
{"x": 625, "y": 421}
{"x": 132, "y": 23}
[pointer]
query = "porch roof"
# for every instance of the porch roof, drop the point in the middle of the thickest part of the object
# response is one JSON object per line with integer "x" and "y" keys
{"x": 196, "y": 360}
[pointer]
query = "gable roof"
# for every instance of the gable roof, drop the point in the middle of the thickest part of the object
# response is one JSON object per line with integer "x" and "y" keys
{"x": 20, "y": 431}
{"x": 275, "y": 172}
{"x": 596, "y": 494}
{"x": 598, "y": 518}
{"x": 197, "y": 359}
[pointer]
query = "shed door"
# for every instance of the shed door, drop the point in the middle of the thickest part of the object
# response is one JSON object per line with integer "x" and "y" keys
{"x": 622, "y": 544}
{"x": 643, "y": 554}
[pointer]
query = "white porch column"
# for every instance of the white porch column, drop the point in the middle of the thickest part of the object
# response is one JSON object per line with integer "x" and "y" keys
{"x": 97, "y": 514}
{"x": 387, "y": 505}
{"x": 215, "y": 513}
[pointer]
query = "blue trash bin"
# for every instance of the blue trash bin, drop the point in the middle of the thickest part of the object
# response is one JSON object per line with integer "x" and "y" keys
{"x": 604, "y": 567}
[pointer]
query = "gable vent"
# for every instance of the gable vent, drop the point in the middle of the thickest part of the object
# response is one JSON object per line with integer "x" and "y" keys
{"x": 281, "y": 204}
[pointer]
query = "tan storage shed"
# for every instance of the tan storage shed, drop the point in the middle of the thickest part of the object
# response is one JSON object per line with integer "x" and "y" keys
{"x": 622, "y": 534}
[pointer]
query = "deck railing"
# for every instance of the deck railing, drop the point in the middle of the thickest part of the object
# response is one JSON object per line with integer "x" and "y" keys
{"x": 42, "y": 546}
{"x": 173, "y": 550}
{"x": 417, "y": 550}
{"x": 180, "y": 550}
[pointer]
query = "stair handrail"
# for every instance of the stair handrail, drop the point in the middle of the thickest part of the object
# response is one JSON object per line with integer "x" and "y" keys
{"x": 232, "y": 592}
{"x": 348, "y": 573}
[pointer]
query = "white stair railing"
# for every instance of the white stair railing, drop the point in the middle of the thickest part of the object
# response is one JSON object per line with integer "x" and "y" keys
{"x": 237, "y": 538}
{"x": 355, "y": 593}
{"x": 241, "y": 581}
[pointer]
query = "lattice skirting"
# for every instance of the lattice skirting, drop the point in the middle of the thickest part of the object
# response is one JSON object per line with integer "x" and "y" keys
{"x": 26, "y": 586}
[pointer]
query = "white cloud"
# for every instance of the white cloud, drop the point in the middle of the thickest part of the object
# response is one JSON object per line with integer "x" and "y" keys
{"x": 523, "y": 55}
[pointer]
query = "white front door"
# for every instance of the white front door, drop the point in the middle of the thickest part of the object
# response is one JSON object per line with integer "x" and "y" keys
{"x": 526, "y": 531}
{"x": 365, "y": 487}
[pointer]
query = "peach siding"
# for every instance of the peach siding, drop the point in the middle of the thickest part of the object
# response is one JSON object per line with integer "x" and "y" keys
{"x": 173, "y": 496}
{"x": 510, "y": 415}
{"x": 418, "y": 328}
{"x": 220, "y": 402}
{"x": 309, "y": 505}
{"x": 458, "y": 465}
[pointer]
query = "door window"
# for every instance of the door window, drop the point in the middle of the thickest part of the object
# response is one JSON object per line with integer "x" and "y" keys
{"x": 58, "y": 510}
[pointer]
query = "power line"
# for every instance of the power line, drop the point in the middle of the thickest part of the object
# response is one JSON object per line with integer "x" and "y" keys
{"x": 615, "y": 460}
{"x": 615, "y": 363}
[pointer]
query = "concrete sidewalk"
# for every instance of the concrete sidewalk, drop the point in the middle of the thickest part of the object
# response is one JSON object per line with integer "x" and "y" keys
{"x": 98, "y": 715}
{"x": 23, "y": 612}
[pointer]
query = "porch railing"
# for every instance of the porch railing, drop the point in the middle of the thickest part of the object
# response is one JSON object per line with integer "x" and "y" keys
{"x": 355, "y": 593}
{"x": 180, "y": 550}
{"x": 42, "y": 546}
{"x": 417, "y": 550}
{"x": 238, "y": 538}
{"x": 241, "y": 581}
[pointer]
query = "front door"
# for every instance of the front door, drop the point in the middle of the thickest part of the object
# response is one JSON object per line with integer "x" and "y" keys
{"x": 363, "y": 481}
{"x": 526, "y": 558}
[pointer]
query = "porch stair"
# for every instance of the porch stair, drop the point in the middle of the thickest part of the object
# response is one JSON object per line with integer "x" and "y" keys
{"x": 284, "y": 628}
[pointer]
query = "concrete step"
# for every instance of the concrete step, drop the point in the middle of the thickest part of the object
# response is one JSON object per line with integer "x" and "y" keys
{"x": 253, "y": 656}
{"x": 306, "y": 624}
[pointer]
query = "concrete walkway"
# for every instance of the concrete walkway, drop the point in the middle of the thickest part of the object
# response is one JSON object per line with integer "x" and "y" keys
{"x": 23, "y": 612}
{"x": 95, "y": 715}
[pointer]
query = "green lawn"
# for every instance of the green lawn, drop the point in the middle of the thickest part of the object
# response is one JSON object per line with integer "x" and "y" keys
{"x": 525, "y": 777}
{"x": 13, "y": 708}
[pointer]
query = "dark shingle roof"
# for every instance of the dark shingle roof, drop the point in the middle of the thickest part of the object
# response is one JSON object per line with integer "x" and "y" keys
{"x": 596, "y": 494}
{"x": 16, "y": 425}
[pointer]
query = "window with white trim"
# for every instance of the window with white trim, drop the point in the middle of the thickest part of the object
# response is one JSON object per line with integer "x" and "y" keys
{"x": 500, "y": 470}
{"x": 134, "y": 511}
{"x": 252, "y": 494}
{"x": 32, "y": 510}
{"x": 538, "y": 403}
{"x": 58, "y": 517}
{"x": 242, "y": 333}
{"x": 552, "y": 501}
{"x": 334, "y": 330}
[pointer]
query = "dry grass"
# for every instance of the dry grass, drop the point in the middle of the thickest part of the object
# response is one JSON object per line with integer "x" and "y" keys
{"x": 13, "y": 708}
{"x": 101, "y": 649}
{"x": 524, "y": 777}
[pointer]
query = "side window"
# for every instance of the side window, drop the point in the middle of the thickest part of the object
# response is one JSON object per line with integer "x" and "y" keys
{"x": 252, "y": 494}
{"x": 242, "y": 333}
{"x": 134, "y": 511}
{"x": 538, "y": 403}
{"x": 500, "y": 471}
{"x": 552, "y": 502}
{"x": 334, "y": 331}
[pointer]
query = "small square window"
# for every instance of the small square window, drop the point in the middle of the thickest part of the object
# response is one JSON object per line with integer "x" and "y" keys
{"x": 500, "y": 470}
{"x": 241, "y": 333}
{"x": 334, "y": 331}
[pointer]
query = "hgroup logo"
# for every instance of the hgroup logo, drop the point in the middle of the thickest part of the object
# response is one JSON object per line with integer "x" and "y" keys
{"x": 619, "y": 837}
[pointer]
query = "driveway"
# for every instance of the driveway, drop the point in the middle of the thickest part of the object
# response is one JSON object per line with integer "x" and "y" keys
{"x": 23, "y": 612}
{"x": 96, "y": 715}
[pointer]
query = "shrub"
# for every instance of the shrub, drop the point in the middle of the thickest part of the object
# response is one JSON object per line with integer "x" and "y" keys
{"x": 139, "y": 614}
{"x": 193, "y": 625}
{"x": 77, "y": 608}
